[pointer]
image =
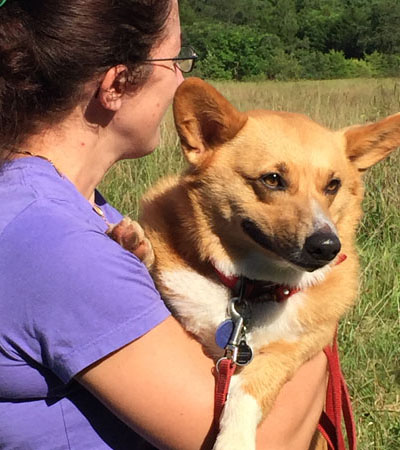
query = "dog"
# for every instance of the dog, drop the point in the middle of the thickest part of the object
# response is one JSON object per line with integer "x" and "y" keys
{"x": 267, "y": 196}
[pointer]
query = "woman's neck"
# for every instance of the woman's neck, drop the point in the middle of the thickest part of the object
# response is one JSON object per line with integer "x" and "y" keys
{"x": 80, "y": 153}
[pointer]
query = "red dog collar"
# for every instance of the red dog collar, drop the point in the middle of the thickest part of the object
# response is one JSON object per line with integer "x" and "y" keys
{"x": 258, "y": 288}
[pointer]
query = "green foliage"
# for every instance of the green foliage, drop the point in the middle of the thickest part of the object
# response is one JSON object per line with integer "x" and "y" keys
{"x": 318, "y": 21}
{"x": 384, "y": 33}
{"x": 383, "y": 65}
{"x": 292, "y": 39}
{"x": 234, "y": 52}
{"x": 359, "y": 68}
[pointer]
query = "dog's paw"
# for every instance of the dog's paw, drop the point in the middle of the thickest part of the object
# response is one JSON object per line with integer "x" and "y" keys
{"x": 130, "y": 235}
{"x": 237, "y": 441}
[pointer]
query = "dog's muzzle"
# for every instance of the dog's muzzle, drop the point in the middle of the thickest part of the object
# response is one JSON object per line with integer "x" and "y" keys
{"x": 319, "y": 249}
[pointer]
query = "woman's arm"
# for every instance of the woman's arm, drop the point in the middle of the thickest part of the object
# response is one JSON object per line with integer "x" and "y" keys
{"x": 161, "y": 385}
{"x": 293, "y": 421}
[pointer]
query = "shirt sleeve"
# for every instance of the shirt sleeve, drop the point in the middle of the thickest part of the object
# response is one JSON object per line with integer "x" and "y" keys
{"x": 74, "y": 294}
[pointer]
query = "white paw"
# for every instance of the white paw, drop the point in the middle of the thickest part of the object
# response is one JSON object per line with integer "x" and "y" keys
{"x": 224, "y": 442}
{"x": 239, "y": 420}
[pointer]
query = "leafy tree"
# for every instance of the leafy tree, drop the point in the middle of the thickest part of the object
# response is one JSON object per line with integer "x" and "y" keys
{"x": 317, "y": 20}
{"x": 384, "y": 33}
{"x": 235, "y": 51}
{"x": 284, "y": 21}
{"x": 350, "y": 31}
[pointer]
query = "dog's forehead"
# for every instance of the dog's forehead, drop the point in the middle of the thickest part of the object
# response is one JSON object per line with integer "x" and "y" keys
{"x": 291, "y": 137}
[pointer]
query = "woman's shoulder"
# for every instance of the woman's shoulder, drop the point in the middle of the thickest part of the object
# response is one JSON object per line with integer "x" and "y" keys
{"x": 75, "y": 294}
{"x": 39, "y": 202}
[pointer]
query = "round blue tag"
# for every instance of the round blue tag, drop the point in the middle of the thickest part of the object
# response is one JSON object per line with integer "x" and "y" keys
{"x": 223, "y": 333}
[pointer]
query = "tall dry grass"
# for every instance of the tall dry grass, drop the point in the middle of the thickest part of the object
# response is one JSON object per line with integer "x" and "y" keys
{"x": 370, "y": 334}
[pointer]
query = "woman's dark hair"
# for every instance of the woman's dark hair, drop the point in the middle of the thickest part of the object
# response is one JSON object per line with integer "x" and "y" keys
{"x": 49, "y": 50}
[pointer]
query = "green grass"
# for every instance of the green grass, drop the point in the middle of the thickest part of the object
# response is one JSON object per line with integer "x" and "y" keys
{"x": 370, "y": 334}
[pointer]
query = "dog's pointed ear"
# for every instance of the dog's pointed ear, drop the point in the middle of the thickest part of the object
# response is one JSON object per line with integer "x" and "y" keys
{"x": 204, "y": 119}
{"x": 368, "y": 144}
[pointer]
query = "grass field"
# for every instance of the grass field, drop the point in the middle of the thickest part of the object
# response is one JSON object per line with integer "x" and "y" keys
{"x": 370, "y": 334}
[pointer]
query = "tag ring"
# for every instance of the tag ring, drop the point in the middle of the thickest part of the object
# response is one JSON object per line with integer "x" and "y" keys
{"x": 219, "y": 362}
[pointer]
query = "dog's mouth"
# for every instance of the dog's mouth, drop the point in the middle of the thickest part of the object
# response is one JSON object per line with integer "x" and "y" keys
{"x": 319, "y": 249}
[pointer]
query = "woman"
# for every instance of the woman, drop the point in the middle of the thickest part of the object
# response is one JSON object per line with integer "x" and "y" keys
{"x": 81, "y": 324}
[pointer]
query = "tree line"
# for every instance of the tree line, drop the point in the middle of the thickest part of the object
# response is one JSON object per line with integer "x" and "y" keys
{"x": 292, "y": 39}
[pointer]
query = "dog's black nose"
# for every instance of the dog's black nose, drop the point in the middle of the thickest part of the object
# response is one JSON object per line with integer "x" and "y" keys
{"x": 322, "y": 246}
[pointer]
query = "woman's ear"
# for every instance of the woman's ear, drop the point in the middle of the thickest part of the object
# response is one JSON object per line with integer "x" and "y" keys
{"x": 112, "y": 88}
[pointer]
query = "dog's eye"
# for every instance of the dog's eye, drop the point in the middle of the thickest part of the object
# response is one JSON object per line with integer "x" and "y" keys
{"x": 273, "y": 181}
{"x": 333, "y": 186}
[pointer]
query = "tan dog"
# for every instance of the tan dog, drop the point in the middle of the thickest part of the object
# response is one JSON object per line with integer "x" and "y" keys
{"x": 270, "y": 196}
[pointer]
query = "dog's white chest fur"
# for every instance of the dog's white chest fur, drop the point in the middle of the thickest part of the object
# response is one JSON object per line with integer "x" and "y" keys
{"x": 201, "y": 305}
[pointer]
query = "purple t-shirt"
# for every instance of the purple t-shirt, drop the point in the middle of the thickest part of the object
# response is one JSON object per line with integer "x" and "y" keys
{"x": 69, "y": 296}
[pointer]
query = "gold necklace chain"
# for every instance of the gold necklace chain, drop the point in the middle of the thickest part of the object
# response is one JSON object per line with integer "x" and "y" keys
{"x": 25, "y": 152}
{"x": 96, "y": 208}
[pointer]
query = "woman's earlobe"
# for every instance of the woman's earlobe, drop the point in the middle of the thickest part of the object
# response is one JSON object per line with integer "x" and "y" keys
{"x": 110, "y": 99}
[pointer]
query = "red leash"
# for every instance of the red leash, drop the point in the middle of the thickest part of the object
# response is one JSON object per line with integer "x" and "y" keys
{"x": 225, "y": 369}
{"x": 337, "y": 403}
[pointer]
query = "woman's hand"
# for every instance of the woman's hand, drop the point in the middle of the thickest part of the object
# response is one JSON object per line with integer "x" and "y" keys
{"x": 162, "y": 386}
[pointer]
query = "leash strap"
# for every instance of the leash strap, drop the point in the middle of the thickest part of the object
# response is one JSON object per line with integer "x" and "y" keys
{"x": 337, "y": 402}
{"x": 225, "y": 369}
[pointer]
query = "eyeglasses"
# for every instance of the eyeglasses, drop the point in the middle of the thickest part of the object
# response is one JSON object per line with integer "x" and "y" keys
{"x": 185, "y": 60}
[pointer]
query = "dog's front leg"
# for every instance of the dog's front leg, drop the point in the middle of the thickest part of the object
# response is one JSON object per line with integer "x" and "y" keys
{"x": 239, "y": 419}
{"x": 251, "y": 397}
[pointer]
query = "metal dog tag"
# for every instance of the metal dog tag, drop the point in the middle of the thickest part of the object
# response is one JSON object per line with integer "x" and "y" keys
{"x": 224, "y": 333}
{"x": 245, "y": 354}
